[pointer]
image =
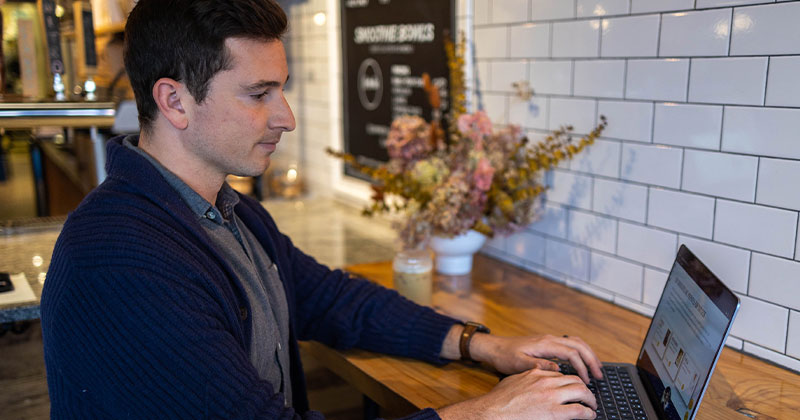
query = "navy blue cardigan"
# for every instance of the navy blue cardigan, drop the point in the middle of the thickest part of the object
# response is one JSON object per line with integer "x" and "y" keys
{"x": 143, "y": 318}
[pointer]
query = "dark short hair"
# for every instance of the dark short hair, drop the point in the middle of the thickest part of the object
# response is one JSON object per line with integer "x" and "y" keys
{"x": 185, "y": 40}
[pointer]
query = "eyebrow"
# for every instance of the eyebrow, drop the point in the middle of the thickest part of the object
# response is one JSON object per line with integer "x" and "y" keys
{"x": 264, "y": 84}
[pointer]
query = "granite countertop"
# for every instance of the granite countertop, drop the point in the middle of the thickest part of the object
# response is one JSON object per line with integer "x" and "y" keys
{"x": 333, "y": 233}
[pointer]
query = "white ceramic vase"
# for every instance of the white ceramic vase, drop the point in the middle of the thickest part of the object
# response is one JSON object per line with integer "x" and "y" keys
{"x": 454, "y": 255}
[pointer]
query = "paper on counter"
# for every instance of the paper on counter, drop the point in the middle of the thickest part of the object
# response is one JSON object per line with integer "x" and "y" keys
{"x": 22, "y": 292}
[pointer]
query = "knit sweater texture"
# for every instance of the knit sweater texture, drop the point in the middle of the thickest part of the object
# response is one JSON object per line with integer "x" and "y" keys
{"x": 143, "y": 318}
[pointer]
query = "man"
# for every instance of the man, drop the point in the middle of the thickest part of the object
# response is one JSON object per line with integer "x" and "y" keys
{"x": 171, "y": 296}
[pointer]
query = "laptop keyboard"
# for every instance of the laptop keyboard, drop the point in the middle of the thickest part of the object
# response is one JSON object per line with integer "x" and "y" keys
{"x": 616, "y": 396}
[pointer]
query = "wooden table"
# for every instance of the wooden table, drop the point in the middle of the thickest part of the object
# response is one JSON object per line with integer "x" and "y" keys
{"x": 514, "y": 302}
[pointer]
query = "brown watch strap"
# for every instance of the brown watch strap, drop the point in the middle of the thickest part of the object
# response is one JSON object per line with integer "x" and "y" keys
{"x": 470, "y": 328}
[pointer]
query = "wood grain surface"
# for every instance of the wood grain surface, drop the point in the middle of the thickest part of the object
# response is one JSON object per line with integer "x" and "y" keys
{"x": 514, "y": 302}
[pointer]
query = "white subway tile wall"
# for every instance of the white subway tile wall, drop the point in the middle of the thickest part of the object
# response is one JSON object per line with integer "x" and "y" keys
{"x": 506, "y": 11}
{"x": 600, "y": 78}
{"x": 576, "y": 39}
{"x": 695, "y": 33}
{"x": 571, "y": 189}
{"x": 526, "y": 246}
{"x": 528, "y": 114}
{"x": 634, "y": 120}
{"x": 762, "y": 322}
{"x": 594, "y": 231}
{"x": 755, "y": 227}
{"x": 537, "y": 40}
{"x": 567, "y": 259}
{"x": 797, "y": 246}
{"x": 600, "y": 159}
{"x": 505, "y": 73}
{"x": 620, "y": 199}
{"x": 703, "y": 106}
{"x": 663, "y": 80}
{"x": 727, "y": 262}
{"x": 588, "y": 8}
{"x": 718, "y": 3}
{"x": 618, "y": 276}
{"x": 737, "y": 80}
{"x": 681, "y": 212}
{"x": 553, "y": 221}
{"x": 793, "y": 344}
{"x": 776, "y": 280}
{"x": 761, "y": 131}
{"x": 551, "y": 77}
{"x": 654, "y": 281}
{"x": 640, "y": 6}
{"x": 695, "y": 126}
{"x": 551, "y": 9}
{"x": 579, "y": 113}
{"x": 635, "y": 36}
{"x": 703, "y": 103}
{"x": 765, "y": 30}
{"x": 774, "y": 189}
{"x": 656, "y": 165}
{"x": 720, "y": 174}
{"x": 782, "y": 86}
{"x": 654, "y": 247}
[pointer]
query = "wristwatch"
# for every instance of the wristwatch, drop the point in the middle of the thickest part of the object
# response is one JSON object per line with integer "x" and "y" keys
{"x": 470, "y": 328}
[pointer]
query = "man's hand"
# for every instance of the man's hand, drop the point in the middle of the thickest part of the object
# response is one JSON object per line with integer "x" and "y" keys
{"x": 511, "y": 355}
{"x": 517, "y": 354}
{"x": 531, "y": 395}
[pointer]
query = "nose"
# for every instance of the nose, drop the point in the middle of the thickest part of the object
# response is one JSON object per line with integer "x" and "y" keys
{"x": 283, "y": 118}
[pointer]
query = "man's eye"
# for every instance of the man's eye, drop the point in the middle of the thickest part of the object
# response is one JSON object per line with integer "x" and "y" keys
{"x": 259, "y": 96}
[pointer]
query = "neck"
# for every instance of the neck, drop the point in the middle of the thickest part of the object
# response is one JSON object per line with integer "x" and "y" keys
{"x": 170, "y": 152}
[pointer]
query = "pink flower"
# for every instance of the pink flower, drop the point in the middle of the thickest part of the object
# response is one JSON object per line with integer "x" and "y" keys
{"x": 483, "y": 174}
{"x": 409, "y": 139}
{"x": 477, "y": 123}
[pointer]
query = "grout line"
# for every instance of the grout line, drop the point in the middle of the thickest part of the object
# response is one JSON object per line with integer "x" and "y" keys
{"x": 625, "y": 80}
{"x": 683, "y": 166}
{"x": 758, "y": 170}
{"x": 749, "y": 274}
{"x": 797, "y": 231}
{"x": 688, "y": 80}
{"x": 658, "y": 39}
{"x": 730, "y": 34}
{"x": 714, "y": 221}
{"x": 653, "y": 126}
{"x": 766, "y": 82}
{"x": 722, "y": 127}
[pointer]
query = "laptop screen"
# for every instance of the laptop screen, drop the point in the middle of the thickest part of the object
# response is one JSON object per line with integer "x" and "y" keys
{"x": 687, "y": 333}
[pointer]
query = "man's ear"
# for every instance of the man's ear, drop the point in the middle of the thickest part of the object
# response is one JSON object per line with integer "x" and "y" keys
{"x": 169, "y": 95}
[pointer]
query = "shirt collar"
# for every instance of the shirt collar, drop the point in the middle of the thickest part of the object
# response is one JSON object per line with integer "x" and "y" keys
{"x": 226, "y": 198}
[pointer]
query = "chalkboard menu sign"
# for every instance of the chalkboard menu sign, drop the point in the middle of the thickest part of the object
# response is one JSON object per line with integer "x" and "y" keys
{"x": 387, "y": 46}
{"x": 48, "y": 10}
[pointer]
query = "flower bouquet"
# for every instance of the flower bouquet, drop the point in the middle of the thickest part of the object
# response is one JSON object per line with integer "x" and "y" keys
{"x": 467, "y": 175}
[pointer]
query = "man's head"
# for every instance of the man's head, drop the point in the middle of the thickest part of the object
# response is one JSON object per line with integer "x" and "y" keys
{"x": 184, "y": 40}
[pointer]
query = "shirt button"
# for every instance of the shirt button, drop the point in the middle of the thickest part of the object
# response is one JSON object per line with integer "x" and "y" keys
{"x": 211, "y": 215}
{"x": 243, "y": 313}
{"x": 279, "y": 346}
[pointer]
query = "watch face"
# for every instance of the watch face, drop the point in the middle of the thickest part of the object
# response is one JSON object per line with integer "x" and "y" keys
{"x": 479, "y": 327}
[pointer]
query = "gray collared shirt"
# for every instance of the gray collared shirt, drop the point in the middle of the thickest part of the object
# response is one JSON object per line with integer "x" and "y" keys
{"x": 269, "y": 344}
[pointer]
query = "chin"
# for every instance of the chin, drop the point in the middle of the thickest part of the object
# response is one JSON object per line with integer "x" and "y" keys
{"x": 254, "y": 170}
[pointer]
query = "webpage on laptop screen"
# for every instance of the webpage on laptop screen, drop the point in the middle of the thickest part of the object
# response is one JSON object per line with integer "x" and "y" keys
{"x": 681, "y": 345}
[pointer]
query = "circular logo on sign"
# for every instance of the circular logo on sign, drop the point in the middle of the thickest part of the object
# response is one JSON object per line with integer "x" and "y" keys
{"x": 370, "y": 84}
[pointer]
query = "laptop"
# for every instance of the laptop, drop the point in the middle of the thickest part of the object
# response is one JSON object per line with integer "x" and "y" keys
{"x": 679, "y": 353}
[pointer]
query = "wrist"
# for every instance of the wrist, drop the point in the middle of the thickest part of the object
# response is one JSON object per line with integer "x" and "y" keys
{"x": 470, "y": 332}
{"x": 480, "y": 347}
